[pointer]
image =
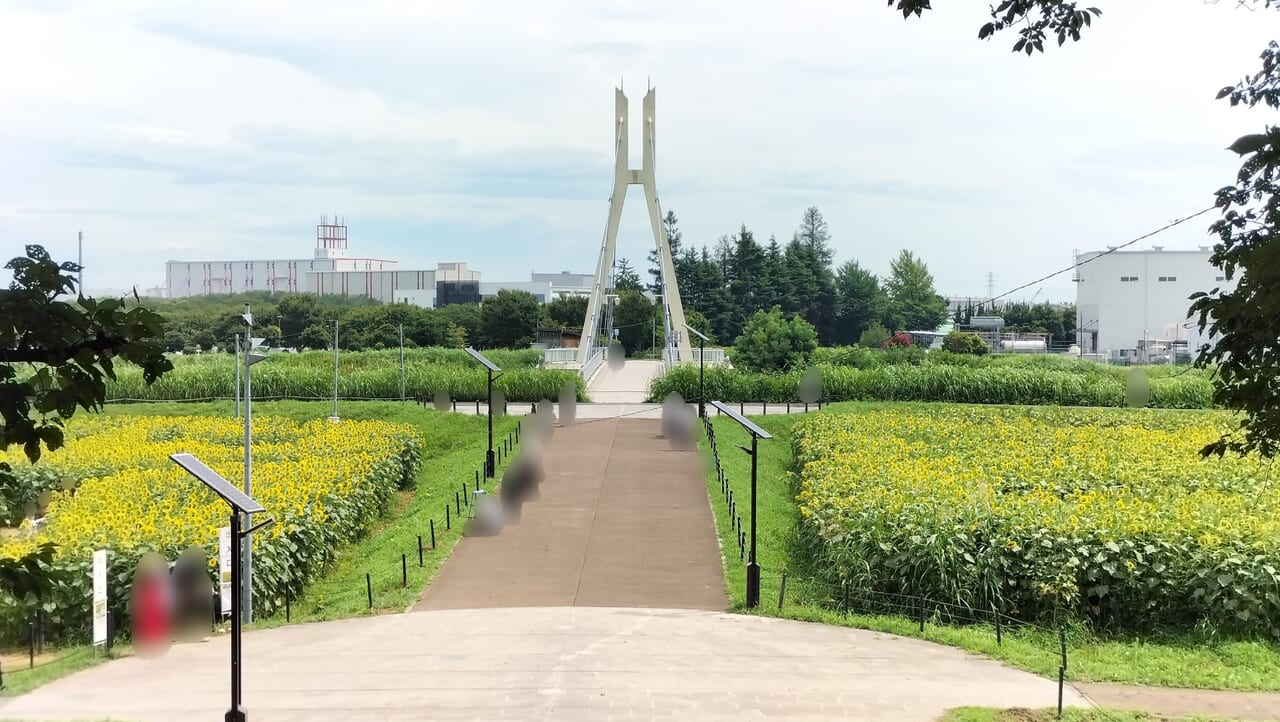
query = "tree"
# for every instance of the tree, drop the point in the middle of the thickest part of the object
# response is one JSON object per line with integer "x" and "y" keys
{"x": 670, "y": 226}
{"x": 860, "y": 302}
{"x": 962, "y": 342}
{"x": 697, "y": 321}
{"x": 567, "y": 312}
{"x": 771, "y": 342}
{"x": 810, "y": 283}
{"x": 456, "y": 336}
{"x": 316, "y": 336}
{"x": 876, "y": 336}
{"x": 637, "y": 319}
{"x": 911, "y": 294}
{"x": 70, "y": 349}
{"x": 510, "y": 318}
{"x": 464, "y": 315}
{"x": 625, "y": 278}
{"x": 748, "y": 273}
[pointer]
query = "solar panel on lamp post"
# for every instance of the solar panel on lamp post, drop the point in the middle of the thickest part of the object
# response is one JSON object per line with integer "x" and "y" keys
{"x": 757, "y": 433}
{"x": 702, "y": 358}
{"x": 490, "y": 469}
{"x": 242, "y": 505}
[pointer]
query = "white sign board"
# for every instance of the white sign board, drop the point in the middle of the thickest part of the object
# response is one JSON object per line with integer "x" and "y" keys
{"x": 224, "y": 568}
{"x": 100, "y": 596}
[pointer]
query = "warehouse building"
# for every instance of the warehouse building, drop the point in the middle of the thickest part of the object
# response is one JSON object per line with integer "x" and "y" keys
{"x": 332, "y": 270}
{"x": 1134, "y": 305}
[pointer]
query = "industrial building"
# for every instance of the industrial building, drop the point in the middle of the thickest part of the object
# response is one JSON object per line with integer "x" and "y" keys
{"x": 332, "y": 270}
{"x": 1133, "y": 305}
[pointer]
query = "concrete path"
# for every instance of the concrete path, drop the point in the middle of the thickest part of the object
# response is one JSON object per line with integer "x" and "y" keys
{"x": 623, "y": 520}
{"x": 557, "y": 664}
{"x": 626, "y": 385}
{"x": 1172, "y": 701}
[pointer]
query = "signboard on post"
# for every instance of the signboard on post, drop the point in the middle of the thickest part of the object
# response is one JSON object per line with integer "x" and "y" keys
{"x": 100, "y": 597}
{"x": 224, "y": 569}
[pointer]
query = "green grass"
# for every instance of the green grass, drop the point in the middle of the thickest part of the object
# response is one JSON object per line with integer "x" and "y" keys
{"x": 454, "y": 451}
{"x": 1173, "y": 660}
{"x": 987, "y": 714}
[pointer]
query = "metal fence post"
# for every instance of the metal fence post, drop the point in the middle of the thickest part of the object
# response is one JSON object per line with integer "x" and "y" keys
{"x": 404, "y": 570}
{"x": 433, "y": 532}
{"x": 368, "y": 585}
{"x": 419, "y": 550}
{"x": 782, "y": 591}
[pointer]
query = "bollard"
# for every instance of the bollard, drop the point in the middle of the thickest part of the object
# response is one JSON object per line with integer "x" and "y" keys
{"x": 477, "y": 480}
{"x": 448, "y": 524}
{"x": 922, "y": 616}
{"x": 999, "y": 631}
{"x": 288, "y": 605}
{"x": 764, "y": 408}
{"x": 788, "y": 407}
{"x": 741, "y": 410}
{"x": 782, "y": 591}
{"x": 404, "y": 570}
{"x": 419, "y": 550}
{"x": 433, "y": 533}
{"x": 368, "y": 585}
{"x": 477, "y": 407}
{"x": 806, "y": 407}
{"x": 455, "y": 406}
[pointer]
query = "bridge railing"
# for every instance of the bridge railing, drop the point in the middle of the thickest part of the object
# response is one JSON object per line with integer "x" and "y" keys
{"x": 560, "y": 357}
{"x": 595, "y": 357}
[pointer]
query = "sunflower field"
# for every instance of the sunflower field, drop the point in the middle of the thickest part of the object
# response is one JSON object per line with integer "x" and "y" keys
{"x": 114, "y": 487}
{"x": 1106, "y": 515}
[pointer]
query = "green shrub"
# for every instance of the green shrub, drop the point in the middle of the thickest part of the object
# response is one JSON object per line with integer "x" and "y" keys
{"x": 771, "y": 342}
{"x": 971, "y": 344}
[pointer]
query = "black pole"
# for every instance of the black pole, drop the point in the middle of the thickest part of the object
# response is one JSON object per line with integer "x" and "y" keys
{"x": 433, "y": 532}
{"x": 753, "y": 568}
{"x": 419, "y": 550}
{"x": 489, "y": 469}
{"x": 368, "y": 586}
{"x": 404, "y": 570}
{"x": 782, "y": 591}
{"x": 288, "y": 605}
{"x": 236, "y": 713}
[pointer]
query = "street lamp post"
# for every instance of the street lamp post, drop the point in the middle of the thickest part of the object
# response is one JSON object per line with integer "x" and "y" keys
{"x": 702, "y": 370}
{"x": 242, "y": 505}
{"x": 250, "y": 358}
{"x": 757, "y": 433}
{"x": 490, "y": 469}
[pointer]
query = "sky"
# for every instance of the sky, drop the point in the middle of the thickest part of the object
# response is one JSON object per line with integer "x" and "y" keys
{"x": 482, "y": 131}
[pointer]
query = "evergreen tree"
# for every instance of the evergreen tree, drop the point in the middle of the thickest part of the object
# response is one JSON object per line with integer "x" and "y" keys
{"x": 625, "y": 278}
{"x": 862, "y": 302}
{"x": 745, "y": 290}
{"x": 811, "y": 291}
{"x": 672, "y": 230}
{"x": 912, "y": 297}
{"x": 773, "y": 286}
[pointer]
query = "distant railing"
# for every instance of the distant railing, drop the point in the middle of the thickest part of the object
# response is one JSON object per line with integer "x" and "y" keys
{"x": 560, "y": 357}
{"x": 594, "y": 359}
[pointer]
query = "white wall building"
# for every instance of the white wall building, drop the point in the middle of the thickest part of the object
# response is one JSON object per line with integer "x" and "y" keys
{"x": 1129, "y": 301}
{"x": 204, "y": 278}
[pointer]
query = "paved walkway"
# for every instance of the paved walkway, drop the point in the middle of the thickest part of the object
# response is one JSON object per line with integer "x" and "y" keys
{"x": 1171, "y": 701}
{"x": 558, "y": 664}
{"x": 636, "y": 410}
{"x": 623, "y": 520}
{"x": 626, "y": 385}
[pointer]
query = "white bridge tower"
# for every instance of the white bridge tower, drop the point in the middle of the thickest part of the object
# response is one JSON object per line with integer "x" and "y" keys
{"x": 677, "y": 347}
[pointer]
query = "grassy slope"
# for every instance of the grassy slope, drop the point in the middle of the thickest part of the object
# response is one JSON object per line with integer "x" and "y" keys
{"x": 1184, "y": 660}
{"x": 454, "y": 450}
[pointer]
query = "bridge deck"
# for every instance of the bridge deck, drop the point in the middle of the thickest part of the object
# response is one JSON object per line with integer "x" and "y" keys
{"x": 623, "y": 521}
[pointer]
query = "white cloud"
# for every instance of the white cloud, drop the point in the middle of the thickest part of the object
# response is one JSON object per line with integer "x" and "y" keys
{"x": 481, "y": 131}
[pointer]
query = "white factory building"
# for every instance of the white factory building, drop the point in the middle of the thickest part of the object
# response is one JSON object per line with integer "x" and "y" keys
{"x": 1134, "y": 304}
{"x": 332, "y": 270}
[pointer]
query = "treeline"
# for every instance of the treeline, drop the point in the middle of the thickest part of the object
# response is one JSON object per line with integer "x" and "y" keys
{"x": 722, "y": 287}
{"x": 726, "y": 284}
{"x": 510, "y": 319}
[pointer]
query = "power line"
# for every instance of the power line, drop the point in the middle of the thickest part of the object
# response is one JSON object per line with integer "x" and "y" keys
{"x": 1109, "y": 251}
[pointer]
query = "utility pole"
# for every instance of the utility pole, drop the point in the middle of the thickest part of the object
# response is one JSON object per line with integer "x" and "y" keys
{"x": 334, "y": 417}
{"x": 246, "y": 552}
{"x": 237, "y": 375}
